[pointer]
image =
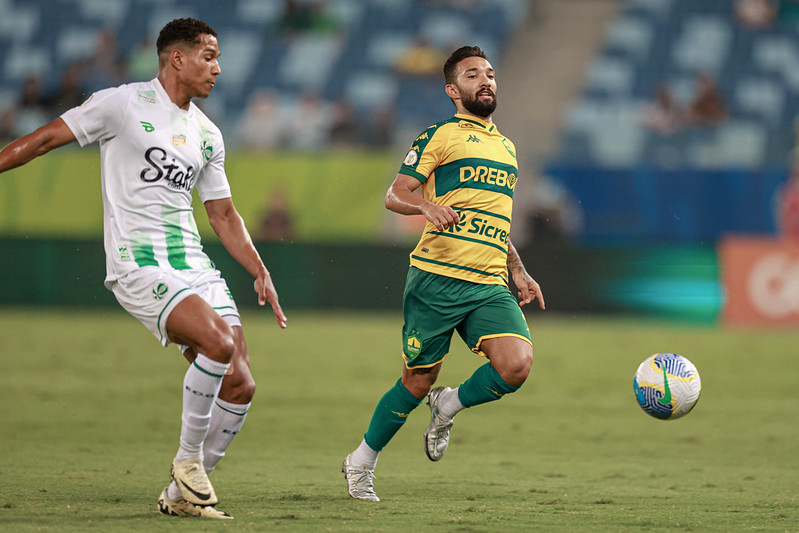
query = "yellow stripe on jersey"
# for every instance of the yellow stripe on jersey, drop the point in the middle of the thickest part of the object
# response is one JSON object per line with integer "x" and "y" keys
{"x": 467, "y": 164}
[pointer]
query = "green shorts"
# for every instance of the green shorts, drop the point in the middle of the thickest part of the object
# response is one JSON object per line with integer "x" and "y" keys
{"x": 434, "y": 306}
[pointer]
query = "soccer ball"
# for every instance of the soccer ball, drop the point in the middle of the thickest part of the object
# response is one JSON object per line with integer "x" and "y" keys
{"x": 667, "y": 386}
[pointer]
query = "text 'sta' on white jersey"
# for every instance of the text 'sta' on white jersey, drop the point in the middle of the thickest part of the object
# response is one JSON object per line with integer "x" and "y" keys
{"x": 152, "y": 154}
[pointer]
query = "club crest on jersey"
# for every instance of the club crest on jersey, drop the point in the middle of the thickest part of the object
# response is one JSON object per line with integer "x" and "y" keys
{"x": 207, "y": 150}
{"x": 179, "y": 139}
{"x": 173, "y": 174}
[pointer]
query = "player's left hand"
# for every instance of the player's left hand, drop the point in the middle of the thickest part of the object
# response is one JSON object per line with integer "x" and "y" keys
{"x": 529, "y": 290}
{"x": 266, "y": 292}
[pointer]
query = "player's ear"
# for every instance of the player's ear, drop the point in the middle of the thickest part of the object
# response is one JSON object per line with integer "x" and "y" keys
{"x": 176, "y": 58}
{"x": 452, "y": 91}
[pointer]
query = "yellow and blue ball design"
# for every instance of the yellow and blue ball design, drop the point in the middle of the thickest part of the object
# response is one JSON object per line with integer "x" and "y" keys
{"x": 667, "y": 386}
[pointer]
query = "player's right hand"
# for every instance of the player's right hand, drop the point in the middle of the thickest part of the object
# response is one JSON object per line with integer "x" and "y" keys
{"x": 441, "y": 216}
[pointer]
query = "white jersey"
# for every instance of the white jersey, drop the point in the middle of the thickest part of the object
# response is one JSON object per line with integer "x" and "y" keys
{"x": 152, "y": 154}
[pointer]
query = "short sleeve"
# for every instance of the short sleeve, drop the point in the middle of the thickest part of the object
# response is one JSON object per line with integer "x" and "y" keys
{"x": 424, "y": 155}
{"x": 99, "y": 118}
{"x": 212, "y": 183}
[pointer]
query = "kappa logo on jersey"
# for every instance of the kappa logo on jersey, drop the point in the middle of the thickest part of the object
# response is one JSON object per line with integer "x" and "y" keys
{"x": 160, "y": 290}
{"x": 473, "y": 139}
{"x": 175, "y": 176}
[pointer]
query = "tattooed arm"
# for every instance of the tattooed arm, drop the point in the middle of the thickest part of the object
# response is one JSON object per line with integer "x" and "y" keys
{"x": 529, "y": 289}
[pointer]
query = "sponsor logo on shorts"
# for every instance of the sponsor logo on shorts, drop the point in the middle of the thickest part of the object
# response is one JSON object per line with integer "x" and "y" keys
{"x": 159, "y": 290}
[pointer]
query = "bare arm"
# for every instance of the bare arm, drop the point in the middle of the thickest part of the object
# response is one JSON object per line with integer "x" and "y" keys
{"x": 529, "y": 289}
{"x": 229, "y": 226}
{"x": 34, "y": 144}
{"x": 401, "y": 199}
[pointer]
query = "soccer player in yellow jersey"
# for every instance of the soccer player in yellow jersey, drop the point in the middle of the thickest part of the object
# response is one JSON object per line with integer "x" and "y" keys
{"x": 459, "y": 272}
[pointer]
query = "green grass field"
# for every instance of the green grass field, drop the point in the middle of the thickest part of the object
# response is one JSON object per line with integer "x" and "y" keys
{"x": 90, "y": 419}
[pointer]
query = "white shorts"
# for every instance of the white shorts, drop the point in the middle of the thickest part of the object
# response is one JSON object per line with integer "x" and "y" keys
{"x": 150, "y": 294}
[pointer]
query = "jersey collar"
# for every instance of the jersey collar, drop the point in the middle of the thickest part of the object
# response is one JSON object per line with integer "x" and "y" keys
{"x": 488, "y": 126}
{"x": 164, "y": 97}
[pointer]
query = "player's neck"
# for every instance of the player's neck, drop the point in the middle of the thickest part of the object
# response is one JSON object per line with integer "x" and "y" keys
{"x": 488, "y": 120}
{"x": 174, "y": 90}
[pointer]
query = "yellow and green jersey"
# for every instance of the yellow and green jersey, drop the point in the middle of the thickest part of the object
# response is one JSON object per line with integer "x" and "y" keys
{"x": 467, "y": 164}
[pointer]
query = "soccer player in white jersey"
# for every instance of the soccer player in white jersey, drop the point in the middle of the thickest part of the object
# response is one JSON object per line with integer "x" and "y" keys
{"x": 156, "y": 146}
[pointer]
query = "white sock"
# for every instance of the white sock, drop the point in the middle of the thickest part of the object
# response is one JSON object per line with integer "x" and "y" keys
{"x": 173, "y": 492}
{"x": 449, "y": 404}
{"x": 364, "y": 456}
{"x": 200, "y": 388}
{"x": 226, "y": 421}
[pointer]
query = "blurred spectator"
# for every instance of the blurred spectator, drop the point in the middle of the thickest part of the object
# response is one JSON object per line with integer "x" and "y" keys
{"x": 107, "y": 66}
{"x": 344, "y": 124}
{"x": 756, "y": 14}
{"x": 788, "y": 205}
{"x": 32, "y": 94}
{"x": 378, "y": 131}
{"x": 788, "y": 15}
{"x": 545, "y": 211}
{"x": 70, "y": 91}
{"x": 311, "y": 120}
{"x": 420, "y": 59}
{"x": 260, "y": 126}
{"x": 663, "y": 115}
{"x": 142, "y": 64}
{"x": 8, "y": 121}
{"x": 708, "y": 107}
{"x": 277, "y": 224}
{"x": 306, "y": 16}
{"x": 32, "y": 111}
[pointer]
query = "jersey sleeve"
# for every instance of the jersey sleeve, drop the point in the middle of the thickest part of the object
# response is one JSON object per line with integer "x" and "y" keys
{"x": 425, "y": 154}
{"x": 212, "y": 183}
{"x": 99, "y": 118}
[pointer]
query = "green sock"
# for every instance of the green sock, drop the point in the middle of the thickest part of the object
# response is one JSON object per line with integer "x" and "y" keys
{"x": 391, "y": 412}
{"x": 485, "y": 385}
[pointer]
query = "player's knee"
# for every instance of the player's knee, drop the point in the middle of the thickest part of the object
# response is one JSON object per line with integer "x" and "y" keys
{"x": 516, "y": 369}
{"x": 243, "y": 391}
{"x": 221, "y": 344}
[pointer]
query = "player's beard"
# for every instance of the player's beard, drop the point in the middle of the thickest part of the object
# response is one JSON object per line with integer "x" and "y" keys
{"x": 478, "y": 107}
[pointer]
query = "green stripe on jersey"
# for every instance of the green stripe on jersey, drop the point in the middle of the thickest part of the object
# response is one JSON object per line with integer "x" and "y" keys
{"x": 459, "y": 267}
{"x": 476, "y": 173}
{"x": 175, "y": 247}
{"x": 142, "y": 250}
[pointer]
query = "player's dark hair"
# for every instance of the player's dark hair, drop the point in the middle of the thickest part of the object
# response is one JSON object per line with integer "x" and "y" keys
{"x": 457, "y": 56}
{"x": 185, "y": 30}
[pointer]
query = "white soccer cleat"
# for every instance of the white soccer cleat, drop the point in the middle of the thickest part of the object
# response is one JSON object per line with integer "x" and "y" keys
{"x": 436, "y": 439}
{"x": 360, "y": 481}
{"x": 184, "y": 508}
{"x": 193, "y": 482}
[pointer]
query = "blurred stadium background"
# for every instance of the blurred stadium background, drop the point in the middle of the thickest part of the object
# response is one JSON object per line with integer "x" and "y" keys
{"x": 652, "y": 135}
